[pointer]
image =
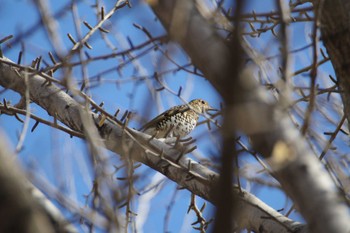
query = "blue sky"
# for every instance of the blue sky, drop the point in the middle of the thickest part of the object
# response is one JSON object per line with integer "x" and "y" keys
{"x": 65, "y": 162}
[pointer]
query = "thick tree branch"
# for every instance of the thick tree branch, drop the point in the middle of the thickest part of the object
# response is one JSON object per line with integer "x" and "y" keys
{"x": 271, "y": 131}
{"x": 335, "y": 32}
{"x": 196, "y": 178}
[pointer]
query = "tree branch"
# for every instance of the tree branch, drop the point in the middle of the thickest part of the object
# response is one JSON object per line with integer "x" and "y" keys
{"x": 335, "y": 31}
{"x": 273, "y": 135}
{"x": 18, "y": 211}
{"x": 198, "y": 179}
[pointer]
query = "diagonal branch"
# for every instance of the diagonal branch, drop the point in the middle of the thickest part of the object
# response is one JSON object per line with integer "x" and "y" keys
{"x": 273, "y": 135}
{"x": 196, "y": 178}
{"x": 19, "y": 211}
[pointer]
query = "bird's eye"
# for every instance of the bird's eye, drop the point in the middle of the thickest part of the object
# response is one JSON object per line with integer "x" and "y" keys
{"x": 203, "y": 102}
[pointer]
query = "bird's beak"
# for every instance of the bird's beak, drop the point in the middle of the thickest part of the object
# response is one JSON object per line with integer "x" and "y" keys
{"x": 211, "y": 109}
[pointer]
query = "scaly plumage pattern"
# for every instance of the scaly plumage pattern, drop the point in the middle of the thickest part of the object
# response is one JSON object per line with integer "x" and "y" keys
{"x": 178, "y": 121}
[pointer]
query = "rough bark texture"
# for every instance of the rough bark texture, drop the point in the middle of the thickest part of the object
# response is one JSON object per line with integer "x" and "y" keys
{"x": 335, "y": 33}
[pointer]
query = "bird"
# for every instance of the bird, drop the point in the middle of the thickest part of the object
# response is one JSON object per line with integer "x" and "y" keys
{"x": 177, "y": 121}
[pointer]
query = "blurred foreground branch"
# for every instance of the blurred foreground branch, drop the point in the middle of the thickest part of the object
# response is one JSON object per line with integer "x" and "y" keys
{"x": 19, "y": 212}
{"x": 268, "y": 125}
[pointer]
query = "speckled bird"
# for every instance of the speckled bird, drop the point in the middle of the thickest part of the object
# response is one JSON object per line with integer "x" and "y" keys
{"x": 177, "y": 121}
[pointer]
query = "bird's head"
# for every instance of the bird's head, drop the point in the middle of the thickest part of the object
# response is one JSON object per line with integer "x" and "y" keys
{"x": 200, "y": 106}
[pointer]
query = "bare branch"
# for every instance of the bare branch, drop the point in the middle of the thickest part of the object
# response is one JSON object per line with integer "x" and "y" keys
{"x": 146, "y": 151}
{"x": 271, "y": 131}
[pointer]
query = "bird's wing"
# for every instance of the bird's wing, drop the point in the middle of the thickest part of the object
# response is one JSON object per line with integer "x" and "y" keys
{"x": 160, "y": 117}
